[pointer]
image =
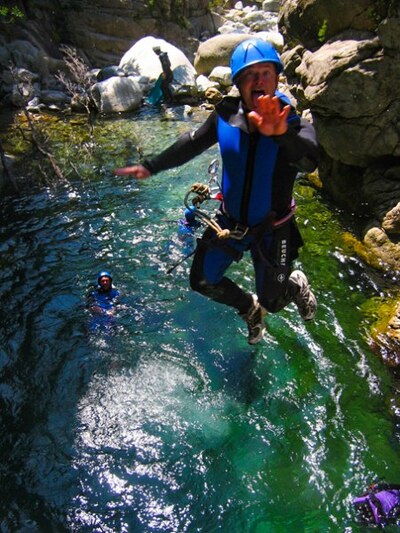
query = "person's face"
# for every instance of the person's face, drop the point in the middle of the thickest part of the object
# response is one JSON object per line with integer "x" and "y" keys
{"x": 105, "y": 283}
{"x": 257, "y": 80}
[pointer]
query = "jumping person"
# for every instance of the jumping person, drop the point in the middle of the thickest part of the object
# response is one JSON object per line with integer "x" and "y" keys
{"x": 263, "y": 144}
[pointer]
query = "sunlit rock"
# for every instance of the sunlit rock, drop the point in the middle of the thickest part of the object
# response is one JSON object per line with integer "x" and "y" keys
{"x": 117, "y": 95}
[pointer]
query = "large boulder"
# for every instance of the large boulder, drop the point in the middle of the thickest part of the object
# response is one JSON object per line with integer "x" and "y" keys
{"x": 117, "y": 94}
{"x": 339, "y": 83}
{"x": 142, "y": 60}
{"x": 312, "y": 22}
{"x": 344, "y": 69}
{"x": 216, "y": 52}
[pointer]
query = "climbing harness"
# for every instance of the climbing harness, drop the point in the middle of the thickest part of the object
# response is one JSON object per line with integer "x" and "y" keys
{"x": 200, "y": 193}
{"x": 196, "y": 212}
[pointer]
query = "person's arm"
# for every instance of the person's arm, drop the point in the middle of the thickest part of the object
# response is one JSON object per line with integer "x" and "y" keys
{"x": 188, "y": 146}
{"x": 299, "y": 143}
{"x": 93, "y": 305}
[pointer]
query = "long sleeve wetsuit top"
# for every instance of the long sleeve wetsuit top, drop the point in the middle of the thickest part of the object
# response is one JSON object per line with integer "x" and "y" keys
{"x": 258, "y": 171}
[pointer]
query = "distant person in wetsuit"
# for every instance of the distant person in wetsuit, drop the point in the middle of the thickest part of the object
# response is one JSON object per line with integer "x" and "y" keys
{"x": 166, "y": 76}
{"x": 102, "y": 301}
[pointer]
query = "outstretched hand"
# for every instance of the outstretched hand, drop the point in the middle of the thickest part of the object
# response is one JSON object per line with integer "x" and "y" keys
{"x": 268, "y": 117}
{"x": 138, "y": 171}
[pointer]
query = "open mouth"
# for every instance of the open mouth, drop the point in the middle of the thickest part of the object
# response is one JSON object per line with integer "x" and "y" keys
{"x": 255, "y": 96}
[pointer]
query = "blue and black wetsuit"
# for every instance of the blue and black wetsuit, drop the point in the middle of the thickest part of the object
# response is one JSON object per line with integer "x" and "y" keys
{"x": 106, "y": 301}
{"x": 167, "y": 77}
{"x": 257, "y": 186}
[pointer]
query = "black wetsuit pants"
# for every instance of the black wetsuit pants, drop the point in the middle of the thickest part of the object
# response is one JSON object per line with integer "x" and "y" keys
{"x": 272, "y": 257}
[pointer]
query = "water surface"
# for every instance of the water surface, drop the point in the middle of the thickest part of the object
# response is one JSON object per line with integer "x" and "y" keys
{"x": 168, "y": 420}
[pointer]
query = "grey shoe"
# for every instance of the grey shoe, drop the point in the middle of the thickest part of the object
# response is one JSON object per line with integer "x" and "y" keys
{"x": 304, "y": 298}
{"x": 255, "y": 322}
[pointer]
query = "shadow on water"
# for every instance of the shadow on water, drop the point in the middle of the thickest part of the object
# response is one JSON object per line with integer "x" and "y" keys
{"x": 168, "y": 421}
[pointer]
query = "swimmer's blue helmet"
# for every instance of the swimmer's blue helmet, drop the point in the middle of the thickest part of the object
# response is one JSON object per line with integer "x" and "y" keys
{"x": 253, "y": 51}
{"x": 103, "y": 274}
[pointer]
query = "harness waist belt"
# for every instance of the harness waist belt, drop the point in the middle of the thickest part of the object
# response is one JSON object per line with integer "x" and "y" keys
{"x": 269, "y": 223}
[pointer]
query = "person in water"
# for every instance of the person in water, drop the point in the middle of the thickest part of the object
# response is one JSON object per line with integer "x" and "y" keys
{"x": 166, "y": 75}
{"x": 263, "y": 144}
{"x": 103, "y": 299}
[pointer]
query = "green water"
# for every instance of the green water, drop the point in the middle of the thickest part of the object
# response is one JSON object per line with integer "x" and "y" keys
{"x": 171, "y": 422}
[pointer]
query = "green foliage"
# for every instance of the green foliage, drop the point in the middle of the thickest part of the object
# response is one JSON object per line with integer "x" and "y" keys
{"x": 214, "y": 4}
{"x": 10, "y": 14}
{"x": 322, "y": 31}
{"x": 374, "y": 15}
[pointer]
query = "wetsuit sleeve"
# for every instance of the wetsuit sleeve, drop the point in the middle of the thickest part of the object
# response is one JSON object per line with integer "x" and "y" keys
{"x": 299, "y": 144}
{"x": 188, "y": 146}
{"x": 165, "y": 63}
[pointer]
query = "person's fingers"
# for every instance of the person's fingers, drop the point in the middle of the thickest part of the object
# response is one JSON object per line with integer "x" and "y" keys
{"x": 138, "y": 171}
{"x": 124, "y": 171}
{"x": 255, "y": 118}
{"x": 269, "y": 106}
{"x": 285, "y": 111}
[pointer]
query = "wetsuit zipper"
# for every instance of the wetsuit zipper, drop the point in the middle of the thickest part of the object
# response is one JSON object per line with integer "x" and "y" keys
{"x": 248, "y": 182}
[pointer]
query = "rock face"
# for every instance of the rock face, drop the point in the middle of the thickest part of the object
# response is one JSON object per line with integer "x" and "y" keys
{"x": 342, "y": 60}
{"x": 105, "y": 29}
{"x": 34, "y": 44}
{"x": 345, "y": 70}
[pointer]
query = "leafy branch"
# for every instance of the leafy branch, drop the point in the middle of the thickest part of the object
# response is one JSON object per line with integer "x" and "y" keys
{"x": 10, "y": 14}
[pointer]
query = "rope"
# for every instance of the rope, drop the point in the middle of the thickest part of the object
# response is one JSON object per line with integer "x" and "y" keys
{"x": 203, "y": 193}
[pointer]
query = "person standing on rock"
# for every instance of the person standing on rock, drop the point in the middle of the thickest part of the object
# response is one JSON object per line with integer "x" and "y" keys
{"x": 166, "y": 75}
{"x": 263, "y": 144}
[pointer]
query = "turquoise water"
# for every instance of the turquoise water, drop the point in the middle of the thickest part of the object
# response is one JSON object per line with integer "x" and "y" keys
{"x": 169, "y": 421}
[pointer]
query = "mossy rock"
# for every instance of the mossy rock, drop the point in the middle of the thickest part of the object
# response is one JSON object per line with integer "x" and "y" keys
{"x": 376, "y": 249}
{"x": 385, "y": 330}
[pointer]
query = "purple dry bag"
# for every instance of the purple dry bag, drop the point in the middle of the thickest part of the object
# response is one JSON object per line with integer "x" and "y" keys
{"x": 380, "y": 505}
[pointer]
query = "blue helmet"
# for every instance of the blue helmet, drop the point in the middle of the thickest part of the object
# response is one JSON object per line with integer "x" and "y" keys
{"x": 103, "y": 274}
{"x": 251, "y": 52}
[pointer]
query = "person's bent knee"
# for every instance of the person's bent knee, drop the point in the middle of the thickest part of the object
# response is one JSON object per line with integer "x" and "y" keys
{"x": 211, "y": 290}
{"x": 201, "y": 285}
{"x": 273, "y": 306}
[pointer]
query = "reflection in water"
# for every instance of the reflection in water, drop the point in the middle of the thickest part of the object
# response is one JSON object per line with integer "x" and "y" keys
{"x": 173, "y": 423}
